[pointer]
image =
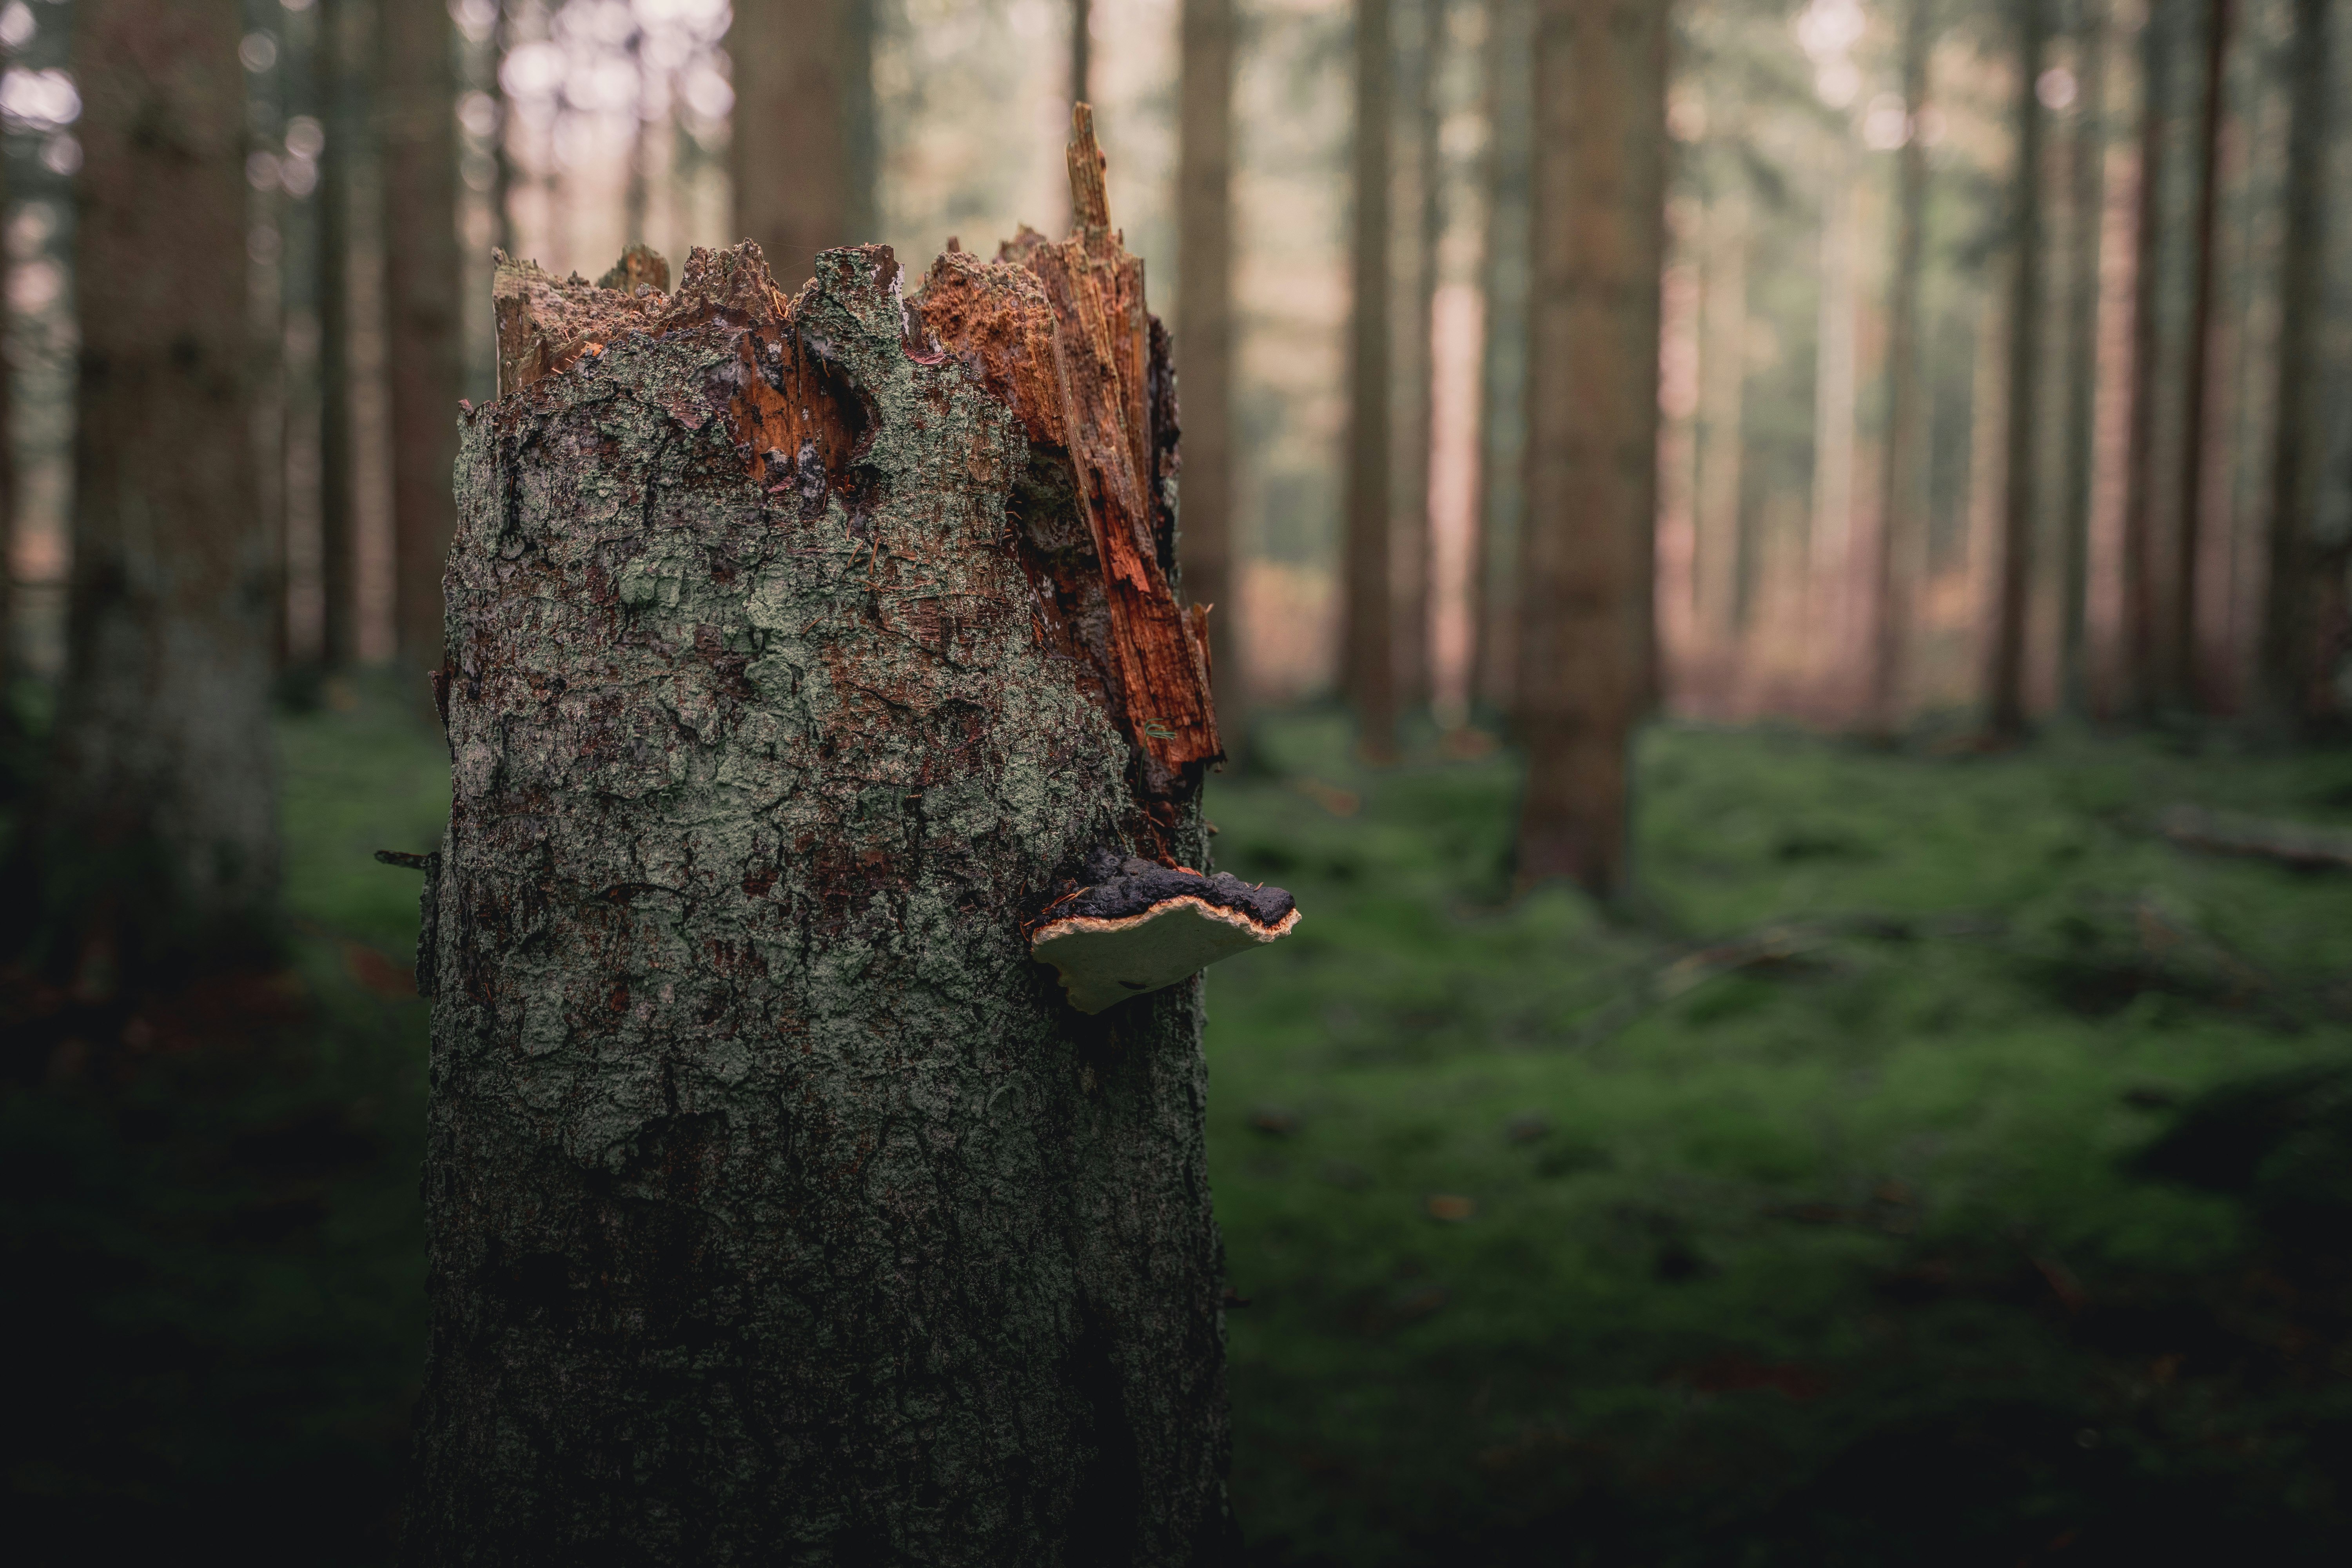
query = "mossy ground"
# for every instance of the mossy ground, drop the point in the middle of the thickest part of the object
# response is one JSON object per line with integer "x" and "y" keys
{"x": 214, "y": 1250}
{"x": 1793, "y": 1210}
{"x": 1801, "y": 1220}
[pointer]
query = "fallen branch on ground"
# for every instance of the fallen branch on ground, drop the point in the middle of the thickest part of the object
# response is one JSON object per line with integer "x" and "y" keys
{"x": 2292, "y": 844}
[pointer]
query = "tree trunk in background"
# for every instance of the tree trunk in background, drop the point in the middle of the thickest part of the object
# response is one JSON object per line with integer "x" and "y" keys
{"x": 781, "y": 1208}
{"x": 8, "y": 536}
{"x": 636, "y": 188}
{"x": 425, "y": 356}
{"x": 2291, "y": 677}
{"x": 502, "y": 162}
{"x": 157, "y": 830}
{"x": 2006, "y": 688}
{"x": 1497, "y": 509}
{"x": 2140, "y": 681}
{"x": 1586, "y": 645}
{"x": 1082, "y": 51}
{"x": 1205, "y": 350}
{"x": 1897, "y": 546}
{"x": 1723, "y": 397}
{"x": 340, "y": 32}
{"x": 1368, "y": 662}
{"x": 802, "y": 152}
{"x": 267, "y": 305}
{"x": 1829, "y": 554}
{"x": 2090, "y": 149}
{"x": 1414, "y": 543}
{"x": 2183, "y": 681}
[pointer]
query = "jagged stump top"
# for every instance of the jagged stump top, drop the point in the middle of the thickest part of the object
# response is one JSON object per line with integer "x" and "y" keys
{"x": 1056, "y": 329}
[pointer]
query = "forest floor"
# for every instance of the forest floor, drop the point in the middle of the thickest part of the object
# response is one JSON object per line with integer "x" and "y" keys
{"x": 1934, "y": 1165}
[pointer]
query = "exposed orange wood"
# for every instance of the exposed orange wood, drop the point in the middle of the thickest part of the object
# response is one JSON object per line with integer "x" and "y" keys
{"x": 1058, "y": 329}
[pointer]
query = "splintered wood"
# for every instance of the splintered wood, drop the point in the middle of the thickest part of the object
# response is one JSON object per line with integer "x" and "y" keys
{"x": 1058, "y": 331}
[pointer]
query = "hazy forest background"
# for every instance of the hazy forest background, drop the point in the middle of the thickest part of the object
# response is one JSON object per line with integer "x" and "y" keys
{"x": 1782, "y": 601}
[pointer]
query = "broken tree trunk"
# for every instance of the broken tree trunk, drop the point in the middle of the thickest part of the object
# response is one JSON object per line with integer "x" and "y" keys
{"x": 808, "y": 660}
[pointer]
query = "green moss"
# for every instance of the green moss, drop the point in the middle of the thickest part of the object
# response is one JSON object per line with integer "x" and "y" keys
{"x": 1786, "y": 1227}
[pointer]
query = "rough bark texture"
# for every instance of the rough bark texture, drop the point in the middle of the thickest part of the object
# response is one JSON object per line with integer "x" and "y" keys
{"x": 1367, "y": 655}
{"x": 1587, "y": 561}
{"x": 781, "y": 1209}
{"x": 802, "y": 156}
{"x": 2005, "y": 685}
{"x": 1204, "y": 344}
{"x": 423, "y": 352}
{"x": 2292, "y": 680}
{"x": 158, "y": 827}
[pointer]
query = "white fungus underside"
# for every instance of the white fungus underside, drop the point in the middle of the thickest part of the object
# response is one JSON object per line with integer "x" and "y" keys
{"x": 1104, "y": 963}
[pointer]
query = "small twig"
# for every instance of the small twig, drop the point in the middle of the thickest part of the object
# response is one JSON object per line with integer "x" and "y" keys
{"x": 403, "y": 858}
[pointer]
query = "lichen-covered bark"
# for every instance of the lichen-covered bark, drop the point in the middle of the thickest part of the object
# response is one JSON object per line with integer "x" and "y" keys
{"x": 781, "y": 1211}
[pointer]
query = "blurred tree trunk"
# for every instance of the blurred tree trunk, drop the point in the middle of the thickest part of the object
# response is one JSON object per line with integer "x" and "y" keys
{"x": 2090, "y": 149}
{"x": 1587, "y": 645}
{"x": 2291, "y": 674}
{"x": 636, "y": 188}
{"x": 781, "y": 1209}
{"x": 2141, "y": 676}
{"x": 2006, "y": 688}
{"x": 8, "y": 536}
{"x": 342, "y": 28}
{"x": 1829, "y": 546}
{"x": 1367, "y": 663}
{"x": 156, "y": 834}
{"x": 268, "y": 216}
{"x": 1419, "y": 422}
{"x": 2184, "y": 679}
{"x": 1204, "y": 351}
{"x": 1082, "y": 51}
{"x": 1495, "y": 511}
{"x": 423, "y": 348}
{"x": 303, "y": 61}
{"x": 1723, "y": 396}
{"x": 802, "y": 152}
{"x": 1894, "y": 548}
{"x": 502, "y": 163}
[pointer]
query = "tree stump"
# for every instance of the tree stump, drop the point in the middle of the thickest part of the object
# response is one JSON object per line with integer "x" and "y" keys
{"x": 801, "y": 653}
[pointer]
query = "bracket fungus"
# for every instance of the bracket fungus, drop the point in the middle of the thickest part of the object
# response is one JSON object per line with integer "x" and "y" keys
{"x": 1139, "y": 926}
